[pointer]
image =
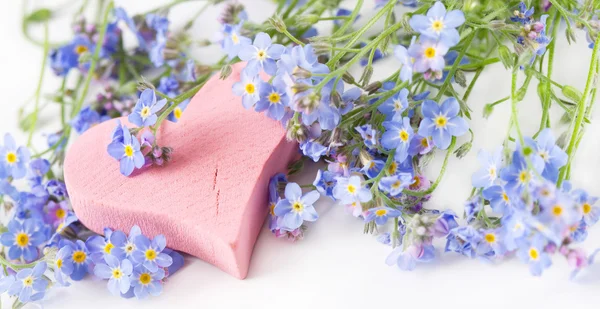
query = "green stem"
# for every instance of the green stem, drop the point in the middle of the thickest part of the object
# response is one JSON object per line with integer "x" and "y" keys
{"x": 580, "y": 113}
{"x": 455, "y": 66}
{"x": 39, "y": 85}
{"x": 390, "y": 5}
{"x": 440, "y": 176}
{"x": 513, "y": 98}
{"x": 176, "y": 101}
{"x": 293, "y": 38}
{"x": 94, "y": 61}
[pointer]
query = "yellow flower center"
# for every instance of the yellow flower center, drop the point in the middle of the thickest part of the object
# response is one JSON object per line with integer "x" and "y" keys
{"x": 117, "y": 273}
{"x": 250, "y": 89}
{"x": 59, "y": 263}
{"x": 397, "y": 106}
{"x": 28, "y": 281}
{"x": 351, "y": 189}
{"x": 150, "y": 254}
{"x": 396, "y": 184}
{"x": 274, "y": 98}
{"x": 80, "y": 49}
{"x": 145, "y": 112}
{"x": 177, "y": 112}
{"x": 586, "y": 208}
{"x": 145, "y": 278}
{"x": 11, "y": 157}
{"x": 437, "y": 25}
{"x": 534, "y": 254}
{"x": 429, "y": 52}
{"x": 492, "y": 171}
{"x": 545, "y": 156}
{"x": 22, "y": 240}
{"x": 557, "y": 210}
{"x": 425, "y": 142}
{"x": 490, "y": 238}
{"x": 79, "y": 257}
{"x": 404, "y": 135}
{"x": 261, "y": 55}
{"x": 440, "y": 121}
{"x": 505, "y": 197}
{"x": 372, "y": 165}
{"x": 297, "y": 207}
{"x": 129, "y": 151}
{"x": 380, "y": 212}
{"x": 108, "y": 248}
{"x": 524, "y": 177}
{"x": 272, "y": 209}
{"x": 60, "y": 213}
{"x": 129, "y": 248}
{"x": 416, "y": 183}
{"x": 392, "y": 168}
{"x": 235, "y": 38}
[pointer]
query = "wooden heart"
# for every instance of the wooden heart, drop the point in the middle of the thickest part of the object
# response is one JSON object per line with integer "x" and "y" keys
{"x": 210, "y": 201}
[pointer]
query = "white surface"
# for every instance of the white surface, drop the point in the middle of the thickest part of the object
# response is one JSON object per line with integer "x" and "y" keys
{"x": 336, "y": 266}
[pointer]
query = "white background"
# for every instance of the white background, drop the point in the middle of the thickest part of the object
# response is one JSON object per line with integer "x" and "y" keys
{"x": 335, "y": 265}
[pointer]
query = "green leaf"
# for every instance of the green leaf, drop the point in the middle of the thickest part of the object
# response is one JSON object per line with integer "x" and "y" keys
{"x": 571, "y": 93}
{"x": 39, "y": 16}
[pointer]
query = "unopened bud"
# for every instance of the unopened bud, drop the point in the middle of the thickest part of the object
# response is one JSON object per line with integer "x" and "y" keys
{"x": 366, "y": 75}
{"x": 300, "y": 87}
{"x": 321, "y": 47}
{"x": 336, "y": 99}
{"x": 348, "y": 78}
{"x": 571, "y": 93}
{"x": 144, "y": 84}
{"x": 463, "y": 150}
{"x": 487, "y": 110}
{"x": 301, "y": 73}
{"x": 296, "y": 131}
{"x": 225, "y": 71}
{"x": 277, "y": 23}
{"x": 570, "y": 34}
{"x": 497, "y": 24}
{"x": 304, "y": 21}
{"x": 460, "y": 78}
{"x": 373, "y": 87}
{"x": 506, "y": 56}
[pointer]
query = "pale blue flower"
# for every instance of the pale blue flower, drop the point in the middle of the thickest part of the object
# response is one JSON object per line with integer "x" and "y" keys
{"x": 397, "y": 136}
{"x": 261, "y": 55}
{"x": 13, "y": 158}
{"x": 145, "y": 282}
{"x": 127, "y": 152}
{"x": 273, "y": 99}
{"x": 144, "y": 112}
{"x": 381, "y": 214}
{"x": 532, "y": 252}
{"x": 396, "y": 183}
{"x": 408, "y": 259}
{"x": 117, "y": 272}
{"x": 393, "y": 107}
{"x": 488, "y": 173}
{"x": 428, "y": 55}
{"x": 553, "y": 156}
{"x": 442, "y": 122}
{"x": 439, "y": 24}
{"x": 149, "y": 253}
{"x": 296, "y": 208}
{"x": 29, "y": 284}
{"x": 349, "y": 190}
{"x": 248, "y": 88}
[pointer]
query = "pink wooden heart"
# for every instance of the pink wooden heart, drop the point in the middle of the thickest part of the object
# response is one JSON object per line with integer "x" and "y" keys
{"x": 210, "y": 200}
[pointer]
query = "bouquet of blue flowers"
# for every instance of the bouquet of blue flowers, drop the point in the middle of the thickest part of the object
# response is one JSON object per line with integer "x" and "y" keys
{"x": 374, "y": 135}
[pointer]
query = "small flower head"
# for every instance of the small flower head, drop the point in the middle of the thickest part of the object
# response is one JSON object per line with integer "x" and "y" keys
{"x": 488, "y": 173}
{"x": 393, "y": 107}
{"x": 144, "y": 113}
{"x": 428, "y": 55}
{"x": 248, "y": 88}
{"x": 23, "y": 239}
{"x": 531, "y": 251}
{"x": 397, "y": 136}
{"x": 149, "y": 253}
{"x": 350, "y": 190}
{"x": 145, "y": 282}
{"x": 29, "y": 285}
{"x": 296, "y": 208}
{"x": 117, "y": 272}
{"x": 127, "y": 152}
{"x": 442, "y": 122}
{"x": 396, "y": 183}
{"x": 439, "y": 24}
{"x": 273, "y": 99}
{"x": 381, "y": 214}
{"x": 261, "y": 55}
{"x": 13, "y": 158}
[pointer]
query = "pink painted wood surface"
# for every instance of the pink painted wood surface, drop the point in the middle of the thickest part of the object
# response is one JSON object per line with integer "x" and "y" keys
{"x": 210, "y": 201}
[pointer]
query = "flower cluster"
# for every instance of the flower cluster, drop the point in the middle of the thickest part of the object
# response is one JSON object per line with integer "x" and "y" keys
{"x": 377, "y": 137}
{"x": 375, "y": 134}
{"x": 44, "y": 232}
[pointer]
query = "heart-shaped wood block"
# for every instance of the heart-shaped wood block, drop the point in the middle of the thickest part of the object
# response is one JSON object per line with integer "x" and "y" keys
{"x": 210, "y": 201}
